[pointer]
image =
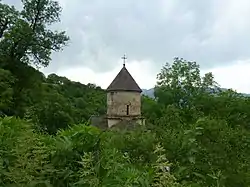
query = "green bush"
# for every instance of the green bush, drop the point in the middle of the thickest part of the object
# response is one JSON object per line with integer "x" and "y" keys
{"x": 80, "y": 156}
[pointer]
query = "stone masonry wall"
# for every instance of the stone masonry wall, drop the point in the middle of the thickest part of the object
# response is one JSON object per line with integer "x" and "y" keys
{"x": 117, "y": 103}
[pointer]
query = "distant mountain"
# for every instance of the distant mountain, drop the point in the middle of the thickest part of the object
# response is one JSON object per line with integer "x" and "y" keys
{"x": 247, "y": 95}
{"x": 150, "y": 92}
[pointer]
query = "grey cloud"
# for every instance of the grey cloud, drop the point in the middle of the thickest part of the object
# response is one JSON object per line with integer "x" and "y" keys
{"x": 102, "y": 31}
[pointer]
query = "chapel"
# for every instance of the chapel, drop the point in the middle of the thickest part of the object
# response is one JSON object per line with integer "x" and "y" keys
{"x": 123, "y": 103}
{"x": 124, "y": 99}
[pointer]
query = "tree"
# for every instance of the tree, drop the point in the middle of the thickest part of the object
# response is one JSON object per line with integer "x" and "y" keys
{"x": 8, "y": 16}
{"x": 180, "y": 82}
{"x": 6, "y": 92}
{"x": 27, "y": 40}
{"x": 52, "y": 113}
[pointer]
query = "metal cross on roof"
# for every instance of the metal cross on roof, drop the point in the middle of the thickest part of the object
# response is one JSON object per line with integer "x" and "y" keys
{"x": 124, "y": 60}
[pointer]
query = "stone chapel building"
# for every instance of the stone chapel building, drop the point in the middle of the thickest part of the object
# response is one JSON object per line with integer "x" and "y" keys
{"x": 124, "y": 99}
{"x": 123, "y": 102}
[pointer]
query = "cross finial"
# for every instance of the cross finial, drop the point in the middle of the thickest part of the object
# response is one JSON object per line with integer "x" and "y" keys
{"x": 124, "y": 60}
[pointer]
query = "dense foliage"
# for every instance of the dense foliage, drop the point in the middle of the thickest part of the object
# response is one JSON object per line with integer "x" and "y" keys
{"x": 196, "y": 135}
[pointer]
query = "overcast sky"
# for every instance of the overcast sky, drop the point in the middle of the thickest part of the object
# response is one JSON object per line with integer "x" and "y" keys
{"x": 215, "y": 33}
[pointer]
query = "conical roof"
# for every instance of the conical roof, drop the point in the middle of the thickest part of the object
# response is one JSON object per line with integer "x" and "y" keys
{"x": 124, "y": 82}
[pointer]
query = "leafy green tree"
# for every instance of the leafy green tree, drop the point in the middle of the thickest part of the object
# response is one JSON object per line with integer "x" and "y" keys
{"x": 6, "y": 92}
{"x": 151, "y": 109}
{"x": 202, "y": 127}
{"x": 51, "y": 114}
{"x": 180, "y": 82}
{"x": 27, "y": 40}
{"x": 8, "y": 16}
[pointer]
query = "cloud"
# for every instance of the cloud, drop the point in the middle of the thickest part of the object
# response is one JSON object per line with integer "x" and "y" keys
{"x": 235, "y": 76}
{"x": 214, "y": 33}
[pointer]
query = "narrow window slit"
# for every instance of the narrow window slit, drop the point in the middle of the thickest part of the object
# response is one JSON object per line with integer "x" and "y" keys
{"x": 127, "y": 109}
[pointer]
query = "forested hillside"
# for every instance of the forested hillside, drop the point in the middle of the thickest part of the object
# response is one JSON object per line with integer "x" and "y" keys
{"x": 192, "y": 137}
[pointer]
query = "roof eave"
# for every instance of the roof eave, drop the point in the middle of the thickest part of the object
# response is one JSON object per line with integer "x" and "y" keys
{"x": 123, "y": 90}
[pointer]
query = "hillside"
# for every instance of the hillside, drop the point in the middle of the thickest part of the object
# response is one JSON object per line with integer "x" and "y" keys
{"x": 203, "y": 136}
